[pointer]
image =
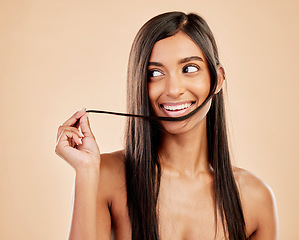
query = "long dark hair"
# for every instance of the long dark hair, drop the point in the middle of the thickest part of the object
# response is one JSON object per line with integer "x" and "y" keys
{"x": 143, "y": 170}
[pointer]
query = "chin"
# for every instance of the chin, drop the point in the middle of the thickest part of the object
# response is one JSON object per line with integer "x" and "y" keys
{"x": 183, "y": 127}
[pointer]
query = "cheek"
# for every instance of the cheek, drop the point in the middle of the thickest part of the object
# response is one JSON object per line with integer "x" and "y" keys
{"x": 200, "y": 91}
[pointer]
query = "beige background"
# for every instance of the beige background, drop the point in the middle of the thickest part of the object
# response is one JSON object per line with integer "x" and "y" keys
{"x": 57, "y": 56}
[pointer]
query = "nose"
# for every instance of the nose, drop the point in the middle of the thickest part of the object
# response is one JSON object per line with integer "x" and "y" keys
{"x": 174, "y": 86}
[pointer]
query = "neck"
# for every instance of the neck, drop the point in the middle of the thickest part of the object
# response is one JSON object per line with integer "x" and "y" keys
{"x": 186, "y": 154}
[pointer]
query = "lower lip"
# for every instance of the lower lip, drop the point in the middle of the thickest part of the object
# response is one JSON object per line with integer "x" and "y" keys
{"x": 177, "y": 113}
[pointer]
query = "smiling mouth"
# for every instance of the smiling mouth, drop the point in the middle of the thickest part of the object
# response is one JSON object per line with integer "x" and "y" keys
{"x": 176, "y": 107}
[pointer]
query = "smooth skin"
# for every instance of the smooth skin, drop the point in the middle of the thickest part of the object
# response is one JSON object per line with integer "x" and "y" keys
{"x": 179, "y": 74}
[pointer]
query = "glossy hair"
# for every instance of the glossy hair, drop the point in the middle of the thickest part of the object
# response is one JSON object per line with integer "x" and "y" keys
{"x": 143, "y": 170}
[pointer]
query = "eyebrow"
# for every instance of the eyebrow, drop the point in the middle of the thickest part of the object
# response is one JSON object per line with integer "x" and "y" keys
{"x": 192, "y": 58}
{"x": 184, "y": 60}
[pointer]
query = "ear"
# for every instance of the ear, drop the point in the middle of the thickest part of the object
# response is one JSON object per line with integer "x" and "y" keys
{"x": 220, "y": 77}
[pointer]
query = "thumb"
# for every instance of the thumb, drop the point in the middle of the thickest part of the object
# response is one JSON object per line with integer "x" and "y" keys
{"x": 85, "y": 126}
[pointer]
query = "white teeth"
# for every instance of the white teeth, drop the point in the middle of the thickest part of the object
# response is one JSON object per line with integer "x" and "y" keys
{"x": 177, "y": 107}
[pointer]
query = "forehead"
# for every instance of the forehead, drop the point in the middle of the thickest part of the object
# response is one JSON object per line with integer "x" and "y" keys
{"x": 175, "y": 47}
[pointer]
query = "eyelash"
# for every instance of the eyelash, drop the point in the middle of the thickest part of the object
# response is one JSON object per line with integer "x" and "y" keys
{"x": 191, "y": 65}
{"x": 150, "y": 72}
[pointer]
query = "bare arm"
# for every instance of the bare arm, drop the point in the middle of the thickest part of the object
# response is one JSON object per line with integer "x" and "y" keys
{"x": 267, "y": 220}
{"x": 259, "y": 206}
{"x": 85, "y": 205}
{"x": 81, "y": 151}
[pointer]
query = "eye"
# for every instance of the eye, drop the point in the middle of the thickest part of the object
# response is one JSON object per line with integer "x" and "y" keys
{"x": 154, "y": 73}
{"x": 190, "y": 69}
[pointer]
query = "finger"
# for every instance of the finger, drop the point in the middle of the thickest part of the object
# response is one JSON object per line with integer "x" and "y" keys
{"x": 63, "y": 149}
{"x": 64, "y": 141}
{"x": 74, "y": 129}
{"x": 73, "y": 119}
{"x": 70, "y": 136}
{"x": 77, "y": 124}
{"x": 85, "y": 126}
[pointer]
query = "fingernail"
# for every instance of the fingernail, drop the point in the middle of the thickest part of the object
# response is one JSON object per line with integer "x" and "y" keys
{"x": 81, "y": 109}
{"x": 81, "y": 134}
{"x": 80, "y": 141}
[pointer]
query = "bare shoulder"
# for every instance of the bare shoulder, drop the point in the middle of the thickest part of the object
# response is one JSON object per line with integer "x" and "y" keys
{"x": 252, "y": 186}
{"x": 112, "y": 174}
{"x": 112, "y": 161}
{"x": 112, "y": 196}
{"x": 111, "y": 199}
{"x": 258, "y": 203}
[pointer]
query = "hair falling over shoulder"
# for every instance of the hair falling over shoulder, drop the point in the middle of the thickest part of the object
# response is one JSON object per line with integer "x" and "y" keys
{"x": 143, "y": 170}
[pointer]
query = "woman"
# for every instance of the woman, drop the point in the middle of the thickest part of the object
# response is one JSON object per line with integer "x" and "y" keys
{"x": 174, "y": 179}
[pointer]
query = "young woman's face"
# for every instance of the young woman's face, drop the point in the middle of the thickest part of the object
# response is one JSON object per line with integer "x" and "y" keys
{"x": 179, "y": 81}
